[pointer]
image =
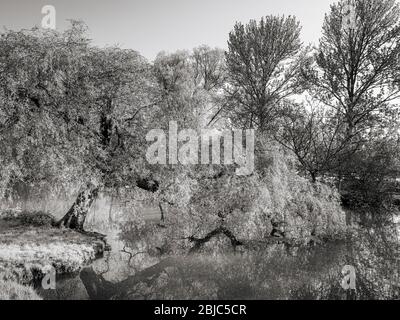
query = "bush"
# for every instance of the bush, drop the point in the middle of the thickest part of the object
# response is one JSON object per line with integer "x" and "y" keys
{"x": 370, "y": 177}
{"x": 29, "y": 218}
{"x": 36, "y": 219}
{"x": 10, "y": 214}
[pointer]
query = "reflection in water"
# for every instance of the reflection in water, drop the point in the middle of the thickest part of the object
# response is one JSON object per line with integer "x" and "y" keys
{"x": 276, "y": 272}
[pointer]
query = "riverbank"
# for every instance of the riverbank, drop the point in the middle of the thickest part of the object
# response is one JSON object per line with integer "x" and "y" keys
{"x": 30, "y": 248}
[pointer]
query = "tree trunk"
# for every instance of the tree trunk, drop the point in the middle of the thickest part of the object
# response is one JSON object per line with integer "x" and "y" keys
{"x": 76, "y": 215}
{"x": 161, "y": 212}
{"x": 313, "y": 176}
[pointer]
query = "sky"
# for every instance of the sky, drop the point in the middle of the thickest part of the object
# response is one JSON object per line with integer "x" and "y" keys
{"x": 151, "y": 26}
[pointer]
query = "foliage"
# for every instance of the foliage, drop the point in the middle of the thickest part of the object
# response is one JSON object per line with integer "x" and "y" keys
{"x": 275, "y": 201}
{"x": 344, "y": 131}
{"x": 372, "y": 173}
{"x": 263, "y": 61}
{"x": 36, "y": 219}
{"x": 69, "y": 109}
{"x": 73, "y": 113}
{"x": 352, "y": 70}
{"x": 314, "y": 137}
{"x": 28, "y": 218}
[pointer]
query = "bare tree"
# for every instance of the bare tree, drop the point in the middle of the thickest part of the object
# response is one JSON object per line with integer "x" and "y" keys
{"x": 314, "y": 135}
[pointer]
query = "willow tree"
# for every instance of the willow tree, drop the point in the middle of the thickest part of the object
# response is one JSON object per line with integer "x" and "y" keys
{"x": 73, "y": 112}
{"x": 209, "y": 67}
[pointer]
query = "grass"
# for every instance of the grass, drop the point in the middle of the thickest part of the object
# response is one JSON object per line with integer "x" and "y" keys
{"x": 11, "y": 290}
{"x": 29, "y": 245}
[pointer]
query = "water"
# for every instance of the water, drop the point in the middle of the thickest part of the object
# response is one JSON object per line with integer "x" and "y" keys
{"x": 273, "y": 272}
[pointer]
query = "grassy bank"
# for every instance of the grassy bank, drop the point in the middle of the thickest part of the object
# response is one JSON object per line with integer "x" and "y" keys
{"x": 30, "y": 245}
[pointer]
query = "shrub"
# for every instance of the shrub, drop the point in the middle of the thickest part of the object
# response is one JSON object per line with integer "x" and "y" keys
{"x": 10, "y": 214}
{"x": 37, "y": 219}
{"x": 29, "y": 218}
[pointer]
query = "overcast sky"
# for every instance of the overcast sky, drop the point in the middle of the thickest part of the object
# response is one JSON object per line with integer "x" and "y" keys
{"x": 150, "y": 26}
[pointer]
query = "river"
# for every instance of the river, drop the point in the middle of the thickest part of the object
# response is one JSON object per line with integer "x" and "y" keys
{"x": 274, "y": 272}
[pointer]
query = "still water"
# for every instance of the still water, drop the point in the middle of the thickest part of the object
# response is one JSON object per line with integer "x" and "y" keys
{"x": 275, "y": 272}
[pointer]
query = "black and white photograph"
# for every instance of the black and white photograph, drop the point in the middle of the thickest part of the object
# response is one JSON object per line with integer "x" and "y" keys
{"x": 219, "y": 152}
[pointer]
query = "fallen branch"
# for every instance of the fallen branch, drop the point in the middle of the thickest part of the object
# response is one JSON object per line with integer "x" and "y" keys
{"x": 199, "y": 242}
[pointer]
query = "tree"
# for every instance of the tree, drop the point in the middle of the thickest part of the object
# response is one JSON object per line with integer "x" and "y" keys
{"x": 352, "y": 70}
{"x": 352, "y": 74}
{"x": 190, "y": 85}
{"x": 175, "y": 79}
{"x": 209, "y": 67}
{"x": 314, "y": 136}
{"x": 76, "y": 108}
{"x": 371, "y": 174}
{"x": 275, "y": 202}
{"x": 42, "y": 78}
{"x": 263, "y": 62}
